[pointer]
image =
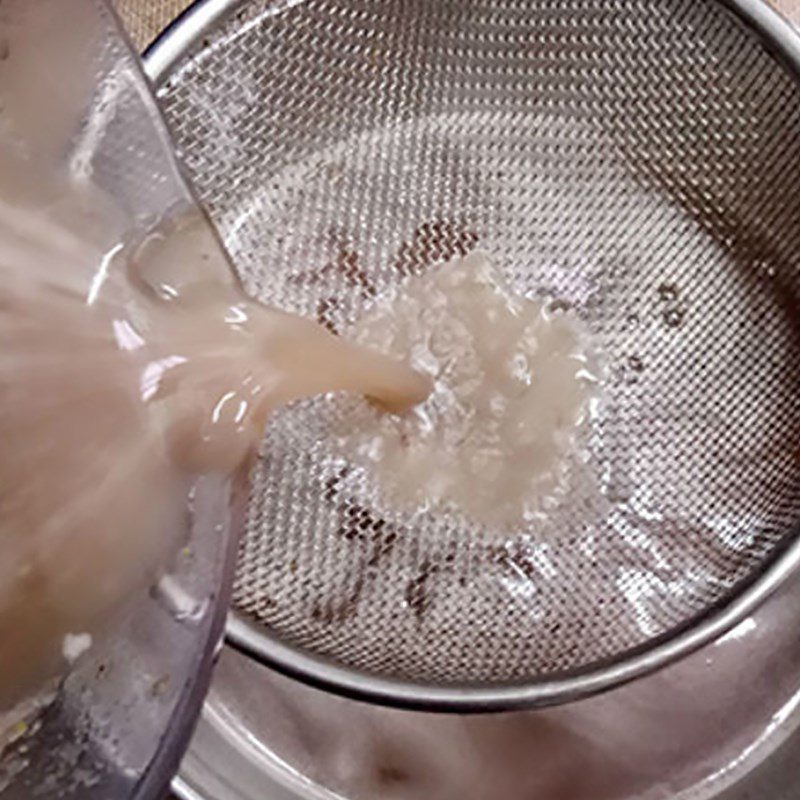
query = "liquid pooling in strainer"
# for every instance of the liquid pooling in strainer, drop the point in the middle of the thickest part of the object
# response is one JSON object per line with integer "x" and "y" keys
{"x": 514, "y": 382}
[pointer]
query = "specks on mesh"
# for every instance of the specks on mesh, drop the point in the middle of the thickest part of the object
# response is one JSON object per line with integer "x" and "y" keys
{"x": 634, "y": 163}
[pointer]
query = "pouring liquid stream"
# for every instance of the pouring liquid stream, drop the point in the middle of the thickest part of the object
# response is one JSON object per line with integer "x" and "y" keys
{"x": 125, "y": 368}
{"x": 113, "y": 392}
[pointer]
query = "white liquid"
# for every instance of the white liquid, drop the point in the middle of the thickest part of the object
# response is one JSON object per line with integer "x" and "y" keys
{"x": 512, "y": 386}
{"x": 106, "y": 405}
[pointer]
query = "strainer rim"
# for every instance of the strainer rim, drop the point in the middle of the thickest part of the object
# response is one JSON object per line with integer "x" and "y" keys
{"x": 161, "y": 59}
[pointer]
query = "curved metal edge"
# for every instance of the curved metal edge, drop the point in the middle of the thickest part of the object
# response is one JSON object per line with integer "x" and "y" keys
{"x": 182, "y": 789}
{"x": 160, "y": 772}
{"x": 159, "y": 775}
{"x": 172, "y": 44}
{"x": 251, "y": 639}
{"x": 775, "y": 31}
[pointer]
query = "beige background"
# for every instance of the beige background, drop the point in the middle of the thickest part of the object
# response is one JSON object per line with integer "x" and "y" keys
{"x": 789, "y": 7}
{"x": 145, "y": 18}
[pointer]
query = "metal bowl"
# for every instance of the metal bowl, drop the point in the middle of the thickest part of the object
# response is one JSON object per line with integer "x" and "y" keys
{"x": 723, "y": 724}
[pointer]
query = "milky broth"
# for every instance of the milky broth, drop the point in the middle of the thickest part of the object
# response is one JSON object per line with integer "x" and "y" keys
{"x": 114, "y": 387}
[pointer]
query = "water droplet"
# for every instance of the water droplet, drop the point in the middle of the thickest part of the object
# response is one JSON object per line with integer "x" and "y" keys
{"x": 178, "y": 602}
{"x": 635, "y": 363}
{"x": 559, "y": 306}
{"x": 632, "y": 321}
{"x": 668, "y": 292}
{"x": 764, "y": 267}
{"x": 673, "y": 317}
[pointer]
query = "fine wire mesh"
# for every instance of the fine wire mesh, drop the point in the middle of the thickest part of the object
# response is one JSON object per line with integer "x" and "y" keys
{"x": 637, "y": 162}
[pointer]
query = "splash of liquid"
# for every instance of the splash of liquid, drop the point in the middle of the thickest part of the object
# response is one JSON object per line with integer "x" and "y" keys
{"x": 513, "y": 385}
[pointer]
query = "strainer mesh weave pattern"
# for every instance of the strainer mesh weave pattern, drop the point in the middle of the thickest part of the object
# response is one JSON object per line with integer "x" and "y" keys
{"x": 636, "y": 161}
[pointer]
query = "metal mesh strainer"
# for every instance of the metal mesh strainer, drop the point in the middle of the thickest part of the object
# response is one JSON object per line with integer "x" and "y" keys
{"x": 638, "y": 161}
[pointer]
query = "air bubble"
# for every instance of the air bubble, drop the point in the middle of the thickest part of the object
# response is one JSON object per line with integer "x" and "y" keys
{"x": 668, "y": 292}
